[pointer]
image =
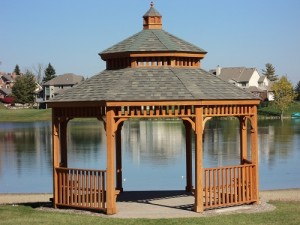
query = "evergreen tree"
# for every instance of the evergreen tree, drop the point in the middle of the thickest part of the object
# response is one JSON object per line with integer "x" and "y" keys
{"x": 23, "y": 89}
{"x": 297, "y": 91}
{"x": 283, "y": 94}
{"x": 269, "y": 72}
{"x": 49, "y": 73}
{"x": 17, "y": 70}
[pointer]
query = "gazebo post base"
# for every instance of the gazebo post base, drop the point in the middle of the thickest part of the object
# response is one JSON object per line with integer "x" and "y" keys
{"x": 111, "y": 211}
{"x": 188, "y": 188}
{"x": 198, "y": 209}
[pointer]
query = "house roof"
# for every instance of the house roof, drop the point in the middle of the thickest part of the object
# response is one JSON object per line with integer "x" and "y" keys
{"x": 65, "y": 79}
{"x": 153, "y": 83}
{"x": 7, "y": 78}
{"x": 6, "y": 91}
{"x": 238, "y": 74}
{"x": 261, "y": 79}
{"x": 153, "y": 40}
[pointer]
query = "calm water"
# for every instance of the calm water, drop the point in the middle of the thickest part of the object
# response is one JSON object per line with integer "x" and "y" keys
{"x": 153, "y": 153}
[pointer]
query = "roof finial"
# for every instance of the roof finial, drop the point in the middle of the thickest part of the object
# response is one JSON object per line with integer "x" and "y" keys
{"x": 151, "y": 4}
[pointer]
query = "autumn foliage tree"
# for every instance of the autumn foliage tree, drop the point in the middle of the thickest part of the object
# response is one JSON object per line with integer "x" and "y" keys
{"x": 283, "y": 94}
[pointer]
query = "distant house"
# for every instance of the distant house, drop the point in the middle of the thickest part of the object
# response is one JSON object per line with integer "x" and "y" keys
{"x": 248, "y": 79}
{"x": 5, "y": 92}
{"x": 7, "y": 81}
{"x": 59, "y": 84}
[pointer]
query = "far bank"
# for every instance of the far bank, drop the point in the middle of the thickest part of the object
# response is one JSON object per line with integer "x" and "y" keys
{"x": 265, "y": 111}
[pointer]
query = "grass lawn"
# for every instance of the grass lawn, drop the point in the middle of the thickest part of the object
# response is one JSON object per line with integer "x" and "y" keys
{"x": 286, "y": 213}
{"x": 24, "y": 115}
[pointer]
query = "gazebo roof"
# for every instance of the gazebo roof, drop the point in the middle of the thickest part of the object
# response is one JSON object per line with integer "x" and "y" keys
{"x": 153, "y": 40}
{"x": 154, "y": 83}
{"x": 153, "y": 65}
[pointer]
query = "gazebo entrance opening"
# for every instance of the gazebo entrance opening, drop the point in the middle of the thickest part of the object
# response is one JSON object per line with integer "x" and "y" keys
{"x": 153, "y": 153}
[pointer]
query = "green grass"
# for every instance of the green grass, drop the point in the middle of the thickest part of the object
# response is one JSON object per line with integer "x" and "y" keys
{"x": 269, "y": 109}
{"x": 286, "y": 213}
{"x": 24, "y": 115}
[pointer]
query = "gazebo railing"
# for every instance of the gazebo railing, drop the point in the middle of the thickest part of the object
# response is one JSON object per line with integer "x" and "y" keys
{"x": 227, "y": 186}
{"x": 81, "y": 188}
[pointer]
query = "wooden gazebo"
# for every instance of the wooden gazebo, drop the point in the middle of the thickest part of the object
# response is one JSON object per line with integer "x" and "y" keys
{"x": 150, "y": 75}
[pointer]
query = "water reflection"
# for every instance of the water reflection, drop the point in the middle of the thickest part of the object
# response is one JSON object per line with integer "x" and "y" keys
{"x": 153, "y": 152}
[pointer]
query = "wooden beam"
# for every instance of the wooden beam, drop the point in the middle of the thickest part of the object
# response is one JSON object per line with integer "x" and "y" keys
{"x": 63, "y": 143}
{"x": 189, "y": 160}
{"x": 243, "y": 139}
{"x": 110, "y": 170}
{"x": 56, "y": 151}
{"x": 119, "y": 172}
{"x": 254, "y": 154}
{"x": 198, "y": 207}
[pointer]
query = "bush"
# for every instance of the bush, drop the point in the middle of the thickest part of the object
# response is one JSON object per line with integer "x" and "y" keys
{"x": 8, "y": 100}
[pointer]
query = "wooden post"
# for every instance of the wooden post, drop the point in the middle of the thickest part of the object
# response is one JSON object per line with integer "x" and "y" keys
{"x": 198, "y": 207}
{"x": 110, "y": 170}
{"x": 119, "y": 158}
{"x": 254, "y": 153}
{"x": 56, "y": 151}
{"x": 63, "y": 143}
{"x": 243, "y": 139}
{"x": 188, "y": 147}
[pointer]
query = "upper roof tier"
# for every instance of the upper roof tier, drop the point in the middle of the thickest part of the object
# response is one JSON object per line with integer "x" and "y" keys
{"x": 152, "y": 47}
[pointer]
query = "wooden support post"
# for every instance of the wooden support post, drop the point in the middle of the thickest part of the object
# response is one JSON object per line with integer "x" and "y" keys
{"x": 198, "y": 207}
{"x": 56, "y": 152}
{"x": 119, "y": 158}
{"x": 243, "y": 139}
{"x": 110, "y": 170}
{"x": 254, "y": 154}
{"x": 188, "y": 145}
{"x": 63, "y": 143}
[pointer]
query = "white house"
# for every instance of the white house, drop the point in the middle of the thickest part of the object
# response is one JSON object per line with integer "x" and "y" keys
{"x": 247, "y": 78}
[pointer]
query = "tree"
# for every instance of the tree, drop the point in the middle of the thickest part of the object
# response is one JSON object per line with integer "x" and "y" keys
{"x": 269, "y": 72}
{"x": 39, "y": 72}
{"x": 283, "y": 94}
{"x": 24, "y": 88}
{"x": 297, "y": 91}
{"x": 49, "y": 73}
{"x": 17, "y": 70}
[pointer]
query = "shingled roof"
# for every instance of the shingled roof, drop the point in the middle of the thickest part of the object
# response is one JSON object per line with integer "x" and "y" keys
{"x": 153, "y": 80}
{"x": 153, "y": 41}
{"x": 158, "y": 83}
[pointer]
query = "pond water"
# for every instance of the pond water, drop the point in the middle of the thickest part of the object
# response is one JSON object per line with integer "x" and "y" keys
{"x": 153, "y": 153}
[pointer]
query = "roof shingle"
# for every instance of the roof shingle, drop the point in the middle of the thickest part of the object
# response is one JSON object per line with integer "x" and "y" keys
{"x": 153, "y": 83}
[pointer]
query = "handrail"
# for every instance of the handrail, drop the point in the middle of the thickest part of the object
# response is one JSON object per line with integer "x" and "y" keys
{"x": 229, "y": 185}
{"x": 81, "y": 188}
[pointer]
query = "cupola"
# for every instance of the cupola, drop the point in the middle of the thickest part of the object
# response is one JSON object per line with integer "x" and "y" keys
{"x": 152, "y": 47}
{"x": 152, "y": 19}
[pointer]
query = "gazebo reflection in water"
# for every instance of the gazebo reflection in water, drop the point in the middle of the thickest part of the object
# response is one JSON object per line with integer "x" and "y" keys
{"x": 154, "y": 75}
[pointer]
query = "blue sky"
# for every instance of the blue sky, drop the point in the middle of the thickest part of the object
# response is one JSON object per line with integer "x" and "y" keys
{"x": 71, "y": 33}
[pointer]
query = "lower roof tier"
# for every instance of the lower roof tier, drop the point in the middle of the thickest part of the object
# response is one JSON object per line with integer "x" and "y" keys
{"x": 153, "y": 84}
